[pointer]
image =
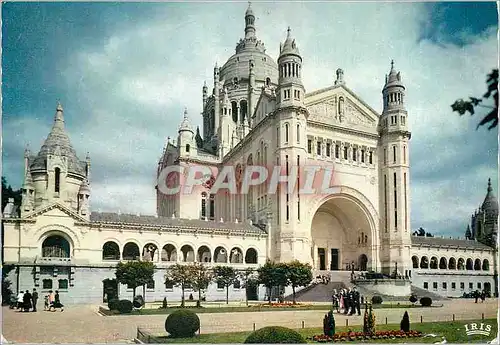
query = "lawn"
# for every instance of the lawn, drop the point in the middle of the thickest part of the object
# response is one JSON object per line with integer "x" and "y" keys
{"x": 453, "y": 332}
{"x": 252, "y": 308}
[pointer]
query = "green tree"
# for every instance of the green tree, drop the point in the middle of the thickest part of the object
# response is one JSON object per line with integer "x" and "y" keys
{"x": 298, "y": 274}
{"x": 6, "y": 284}
{"x": 226, "y": 276}
{"x": 135, "y": 273}
{"x": 271, "y": 275}
{"x": 182, "y": 276}
{"x": 247, "y": 277}
{"x": 470, "y": 106}
{"x": 201, "y": 278}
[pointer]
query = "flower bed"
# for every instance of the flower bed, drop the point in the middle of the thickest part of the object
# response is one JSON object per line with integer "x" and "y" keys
{"x": 353, "y": 336}
{"x": 282, "y": 305}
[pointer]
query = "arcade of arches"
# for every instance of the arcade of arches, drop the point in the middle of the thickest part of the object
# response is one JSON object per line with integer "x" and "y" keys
{"x": 452, "y": 263}
{"x": 341, "y": 236}
{"x": 170, "y": 253}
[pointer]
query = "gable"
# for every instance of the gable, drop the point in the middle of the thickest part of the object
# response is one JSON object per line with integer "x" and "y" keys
{"x": 340, "y": 106}
{"x": 55, "y": 210}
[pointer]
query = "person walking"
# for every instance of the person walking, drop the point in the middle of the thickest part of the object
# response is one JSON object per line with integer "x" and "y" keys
{"x": 20, "y": 300}
{"x": 34, "y": 299}
{"x": 57, "y": 301}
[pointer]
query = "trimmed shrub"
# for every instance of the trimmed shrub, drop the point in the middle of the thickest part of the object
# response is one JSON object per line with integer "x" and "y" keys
{"x": 124, "y": 306}
{"x": 405, "y": 323}
{"x": 275, "y": 335}
{"x": 182, "y": 324}
{"x": 413, "y": 298}
{"x": 376, "y": 300}
{"x": 426, "y": 301}
{"x": 113, "y": 304}
{"x": 138, "y": 301}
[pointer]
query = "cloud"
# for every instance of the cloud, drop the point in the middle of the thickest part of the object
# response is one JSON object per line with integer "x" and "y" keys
{"x": 126, "y": 94}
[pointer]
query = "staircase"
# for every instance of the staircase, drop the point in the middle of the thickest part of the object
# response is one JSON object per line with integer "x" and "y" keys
{"x": 317, "y": 292}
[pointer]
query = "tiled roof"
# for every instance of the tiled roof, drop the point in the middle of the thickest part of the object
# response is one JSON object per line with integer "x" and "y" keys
{"x": 115, "y": 218}
{"x": 447, "y": 242}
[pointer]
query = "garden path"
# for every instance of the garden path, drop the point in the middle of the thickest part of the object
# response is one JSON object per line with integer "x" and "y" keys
{"x": 82, "y": 324}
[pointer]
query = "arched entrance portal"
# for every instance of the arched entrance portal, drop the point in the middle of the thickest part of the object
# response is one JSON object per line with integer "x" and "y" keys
{"x": 341, "y": 233}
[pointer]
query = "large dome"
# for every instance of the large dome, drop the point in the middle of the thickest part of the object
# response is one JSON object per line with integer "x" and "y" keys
{"x": 249, "y": 48}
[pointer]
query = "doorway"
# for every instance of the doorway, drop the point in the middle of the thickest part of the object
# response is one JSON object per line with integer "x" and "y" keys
{"x": 362, "y": 262}
{"x": 334, "y": 263}
{"x": 322, "y": 259}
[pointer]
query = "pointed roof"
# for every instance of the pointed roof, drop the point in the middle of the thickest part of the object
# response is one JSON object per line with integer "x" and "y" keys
{"x": 58, "y": 140}
{"x": 186, "y": 124}
{"x": 394, "y": 78}
{"x": 490, "y": 203}
{"x": 28, "y": 180}
{"x": 289, "y": 47}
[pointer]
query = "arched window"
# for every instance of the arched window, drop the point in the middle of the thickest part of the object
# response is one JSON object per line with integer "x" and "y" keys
{"x": 461, "y": 264}
{"x": 188, "y": 147}
{"x": 236, "y": 256}
{"x": 298, "y": 134}
{"x": 477, "y": 265}
{"x": 243, "y": 110}
{"x": 149, "y": 252}
{"x": 268, "y": 81}
{"x": 57, "y": 180}
{"x": 131, "y": 251}
{"x": 168, "y": 253}
{"x": 110, "y": 251}
{"x": 424, "y": 262}
{"x": 204, "y": 254}
{"x": 187, "y": 253}
{"x": 251, "y": 256}
{"x": 452, "y": 264}
{"x": 203, "y": 205}
{"x": 220, "y": 255}
{"x": 442, "y": 264}
{"x": 212, "y": 207}
{"x": 469, "y": 264}
{"x": 486, "y": 265}
{"x": 414, "y": 260}
{"x": 234, "y": 111}
{"x": 434, "y": 263}
{"x": 55, "y": 246}
{"x": 286, "y": 132}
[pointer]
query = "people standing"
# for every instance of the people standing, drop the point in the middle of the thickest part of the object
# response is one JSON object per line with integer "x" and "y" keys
{"x": 20, "y": 300}
{"x": 27, "y": 301}
{"x": 357, "y": 302}
{"x": 34, "y": 299}
{"x": 57, "y": 301}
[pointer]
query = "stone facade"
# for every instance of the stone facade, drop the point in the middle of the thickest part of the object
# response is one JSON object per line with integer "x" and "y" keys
{"x": 257, "y": 114}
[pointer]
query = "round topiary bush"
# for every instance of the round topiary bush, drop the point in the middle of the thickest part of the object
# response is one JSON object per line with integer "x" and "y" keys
{"x": 413, "y": 298}
{"x": 124, "y": 306}
{"x": 426, "y": 301}
{"x": 376, "y": 300}
{"x": 275, "y": 335}
{"x": 182, "y": 324}
{"x": 113, "y": 304}
{"x": 138, "y": 301}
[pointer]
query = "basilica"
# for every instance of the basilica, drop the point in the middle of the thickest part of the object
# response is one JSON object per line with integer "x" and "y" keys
{"x": 257, "y": 112}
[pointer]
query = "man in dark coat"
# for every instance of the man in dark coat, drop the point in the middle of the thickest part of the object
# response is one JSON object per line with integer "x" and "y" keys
{"x": 34, "y": 298}
{"x": 357, "y": 303}
{"x": 27, "y": 301}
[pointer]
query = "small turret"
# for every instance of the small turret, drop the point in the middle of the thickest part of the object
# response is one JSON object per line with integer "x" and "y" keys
{"x": 28, "y": 193}
{"x": 204, "y": 94}
{"x": 393, "y": 91}
{"x": 84, "y": 199}
{"x": 186, "y": 141}
{"x": 290, "y": 88}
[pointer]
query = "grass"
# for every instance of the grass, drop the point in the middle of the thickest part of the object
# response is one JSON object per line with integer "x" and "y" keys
{"x": 254, "y": 308}
{"x": 454, "y": 332}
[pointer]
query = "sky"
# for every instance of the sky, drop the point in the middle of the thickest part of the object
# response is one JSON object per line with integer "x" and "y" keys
{"x": 124, "y": 72}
